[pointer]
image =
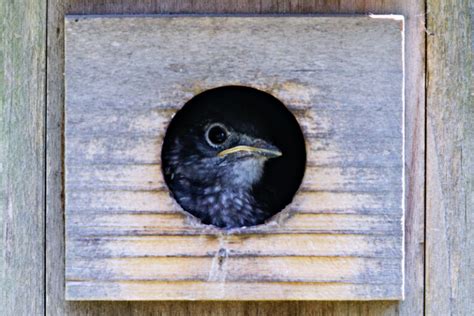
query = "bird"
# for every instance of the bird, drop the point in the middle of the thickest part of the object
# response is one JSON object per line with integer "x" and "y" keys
{"x": 233, "y": 156}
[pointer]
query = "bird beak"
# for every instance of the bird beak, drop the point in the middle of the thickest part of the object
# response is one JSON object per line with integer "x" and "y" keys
{"x": 259, "y": 147}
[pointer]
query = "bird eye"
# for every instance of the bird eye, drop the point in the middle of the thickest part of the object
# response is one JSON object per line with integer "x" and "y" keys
{"x": 216, "y": 134}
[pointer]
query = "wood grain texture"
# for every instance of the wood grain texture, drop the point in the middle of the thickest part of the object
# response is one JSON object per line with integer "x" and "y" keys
{"x": 413, "y": 303}
{"x": 196, "y": 290}
{"x": 22, "y": 182}
{"x": 343, "y": 79}
{"x": 449, "y": 196}
{"x": 54, "y": 281}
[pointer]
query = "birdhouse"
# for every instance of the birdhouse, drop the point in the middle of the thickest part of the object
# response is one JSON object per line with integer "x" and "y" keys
{"x": 234, "y": 158}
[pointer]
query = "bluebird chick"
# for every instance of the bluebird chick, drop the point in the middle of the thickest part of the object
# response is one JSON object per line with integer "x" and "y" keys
{"x": 227, "y": 160}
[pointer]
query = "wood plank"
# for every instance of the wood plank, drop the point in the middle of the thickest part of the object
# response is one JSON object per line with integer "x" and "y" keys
{"x": 366, "y": 108}
{"x": 145, "y": 120}
{"x": 55, "y": 252}
{"x": 413, "y": 304}
{"x": 237, "y": 269}
{"x": 251, "y": 291}
{"x": 414, "y": 155}
{"x": 22, "y": 118}
{"x": 151, "y": 202}
{"x": 125, "y": 149}
{"x": 449, "y": 164}
{"x": 87, "y": 224}
{"x": 341, "y": 115}
{"x": 236, "y": 245}
{"x": 149, "y": 177}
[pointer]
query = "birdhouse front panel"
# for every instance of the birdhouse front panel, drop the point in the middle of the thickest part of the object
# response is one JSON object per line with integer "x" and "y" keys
{"x": 234, "y": 158}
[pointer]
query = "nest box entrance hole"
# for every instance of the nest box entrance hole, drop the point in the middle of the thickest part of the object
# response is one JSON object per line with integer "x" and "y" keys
{"x": 233, "y": 156}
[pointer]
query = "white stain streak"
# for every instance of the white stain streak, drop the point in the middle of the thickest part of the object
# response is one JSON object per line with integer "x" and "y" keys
{"x": 218, "y": 270}
{"x": 396, "y": 17}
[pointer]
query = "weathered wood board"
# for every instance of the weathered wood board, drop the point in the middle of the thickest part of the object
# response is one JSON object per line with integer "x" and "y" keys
{"x": 22, "y": 157}
{"x": 341, "y": 238}
{"x": 449, "y": 161}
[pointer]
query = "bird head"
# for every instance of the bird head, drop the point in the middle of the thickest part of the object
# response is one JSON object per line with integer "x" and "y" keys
{"x": 217, "y": 154}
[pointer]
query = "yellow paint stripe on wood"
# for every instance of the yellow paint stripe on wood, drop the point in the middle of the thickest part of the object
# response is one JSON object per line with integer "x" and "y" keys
{"x": 223, "y": 268}
{"x": 236, "y": 245}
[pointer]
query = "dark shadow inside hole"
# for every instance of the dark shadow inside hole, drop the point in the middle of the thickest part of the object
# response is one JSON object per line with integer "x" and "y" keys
{"x": 233, "y": 156}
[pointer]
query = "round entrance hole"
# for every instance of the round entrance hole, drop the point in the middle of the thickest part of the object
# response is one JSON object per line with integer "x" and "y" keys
{"x": 233, "y": 156}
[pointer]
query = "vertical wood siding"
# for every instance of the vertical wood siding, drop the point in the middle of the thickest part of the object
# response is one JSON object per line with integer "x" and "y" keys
{"x": 449, "y": 169}
{"x": 22, "y": 167}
